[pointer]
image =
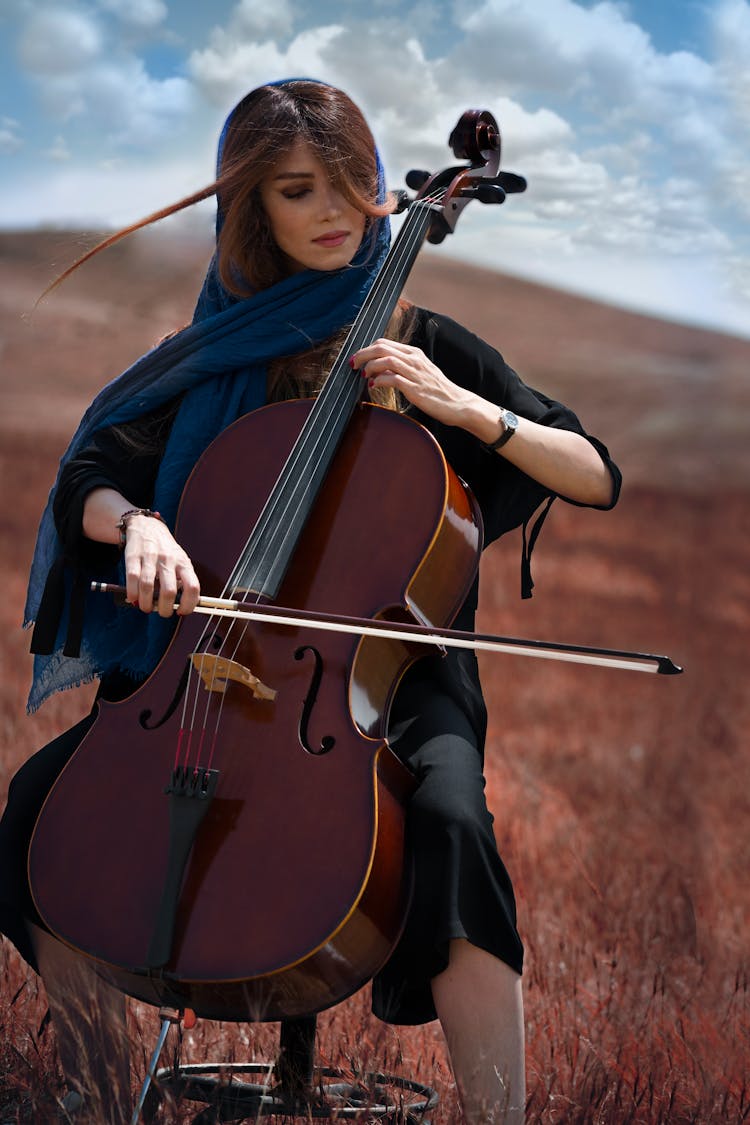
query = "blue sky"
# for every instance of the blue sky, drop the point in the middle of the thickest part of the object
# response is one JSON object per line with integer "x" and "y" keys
{"x": 631, "y": 121}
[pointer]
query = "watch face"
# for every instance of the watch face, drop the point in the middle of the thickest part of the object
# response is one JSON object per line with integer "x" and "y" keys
{"x": 510, "y": 419}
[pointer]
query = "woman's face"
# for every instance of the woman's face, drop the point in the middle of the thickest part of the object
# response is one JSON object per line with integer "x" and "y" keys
{"x": 312, "y": 224}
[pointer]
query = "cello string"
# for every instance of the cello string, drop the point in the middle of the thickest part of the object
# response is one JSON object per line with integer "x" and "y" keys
{"x": 304, "y": 454}
{"x": 319, "y": 446}
{"x": 315, "y": 443}
{"x": 312, "y": 443}
{"x": 362, "y": 329}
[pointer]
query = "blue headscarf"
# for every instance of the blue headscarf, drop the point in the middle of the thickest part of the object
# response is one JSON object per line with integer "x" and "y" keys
{"x": 207, "y": 363}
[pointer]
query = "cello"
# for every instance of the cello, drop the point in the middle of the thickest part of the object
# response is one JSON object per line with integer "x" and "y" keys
{"x": 244, "y": 804}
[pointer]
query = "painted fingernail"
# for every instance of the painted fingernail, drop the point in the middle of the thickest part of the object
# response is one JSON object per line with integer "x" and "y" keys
{"x": 351, "y": 361}
{"x": 370, "y": 382}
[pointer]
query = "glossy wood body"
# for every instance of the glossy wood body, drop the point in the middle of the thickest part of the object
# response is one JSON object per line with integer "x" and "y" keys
{"x": 294, "y": 893}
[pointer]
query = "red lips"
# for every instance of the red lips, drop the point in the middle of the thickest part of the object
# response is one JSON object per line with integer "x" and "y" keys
{"x": 334, "y": 238}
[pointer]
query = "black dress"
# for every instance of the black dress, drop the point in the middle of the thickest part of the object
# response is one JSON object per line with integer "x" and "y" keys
{"x": 438, "y": 719}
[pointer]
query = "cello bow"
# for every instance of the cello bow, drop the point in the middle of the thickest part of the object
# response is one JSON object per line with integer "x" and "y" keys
{"x": 422, "y": 634}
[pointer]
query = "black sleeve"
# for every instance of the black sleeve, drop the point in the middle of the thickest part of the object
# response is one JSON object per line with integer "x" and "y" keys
{"x": 125, "y": 458}
{"x": 507, "y": 497}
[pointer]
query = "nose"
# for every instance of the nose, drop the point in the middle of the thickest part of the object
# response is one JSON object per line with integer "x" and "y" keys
{"x": 332, "y": 203}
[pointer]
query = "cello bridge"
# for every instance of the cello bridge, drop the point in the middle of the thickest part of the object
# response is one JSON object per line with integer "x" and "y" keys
{"x": 217, "y": 672}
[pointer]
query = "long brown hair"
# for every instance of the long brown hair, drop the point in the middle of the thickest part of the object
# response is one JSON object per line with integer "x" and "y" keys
{"x": 266, "y": 121}
{"x": 269, "y": 120}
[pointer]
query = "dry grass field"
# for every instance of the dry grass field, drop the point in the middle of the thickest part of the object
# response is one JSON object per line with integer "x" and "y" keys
{"x": 621, "y": 801}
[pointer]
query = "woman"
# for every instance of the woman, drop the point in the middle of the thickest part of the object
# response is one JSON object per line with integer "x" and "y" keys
{"x": 301, "y": 232}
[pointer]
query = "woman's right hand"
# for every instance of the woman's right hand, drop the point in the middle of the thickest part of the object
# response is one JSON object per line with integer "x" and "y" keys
{"x": 156, "y": 568}
{"x": 154, "y": 560}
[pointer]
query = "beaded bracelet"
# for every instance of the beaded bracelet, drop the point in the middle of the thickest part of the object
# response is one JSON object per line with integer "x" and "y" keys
{"x": 122, "y": 523}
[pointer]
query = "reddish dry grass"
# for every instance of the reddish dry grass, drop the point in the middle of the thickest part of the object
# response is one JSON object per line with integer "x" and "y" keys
{"x": 621, "y": 801}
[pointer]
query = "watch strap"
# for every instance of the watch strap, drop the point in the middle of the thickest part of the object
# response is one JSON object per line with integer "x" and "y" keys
{"x": 505, "y": 436}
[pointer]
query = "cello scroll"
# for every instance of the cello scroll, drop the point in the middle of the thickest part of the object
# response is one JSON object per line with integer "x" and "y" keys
{"x": 475, "y": 138}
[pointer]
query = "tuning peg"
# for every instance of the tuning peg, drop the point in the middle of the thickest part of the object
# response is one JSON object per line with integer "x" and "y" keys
{"x": 416, "y": 179}
{"x": 402, "y": 200}
{"x": 510, "y": 182}
{"x": 438, "y": 229}
{"x": 436, "y": 237}
{"x": 485, "y": 191}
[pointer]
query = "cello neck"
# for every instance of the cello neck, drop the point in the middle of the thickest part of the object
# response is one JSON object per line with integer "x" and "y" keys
{"x": 265, "y": 559}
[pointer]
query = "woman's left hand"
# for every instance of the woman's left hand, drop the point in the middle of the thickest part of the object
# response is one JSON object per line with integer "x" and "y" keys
{"x": 562, "y": 460}
{"x": 389, "y": 363}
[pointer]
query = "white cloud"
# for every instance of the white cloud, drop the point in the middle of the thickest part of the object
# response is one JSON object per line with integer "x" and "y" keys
{"x": 731, "y": 29}
{"x": 57, "y": 43}
{"x": 633, "y": 155}
{"x": 140, "y": 14}
{"x": 89, "y": 195}
{"x": 639, "y": 189}
{"x": 596, "y": 64}
{"x": 557, "y": 46}
{"x": 81, "y": 71}
{"x": 551, "y": 45}
{"x": 58, "y": 151}
{"x": 229, "y": 66}
{"x": 738, "y": 276}
{"x": 525, "y": 133}
{"x": 10, "y": 141}
{"x": 561, "y": 174}
{"x": 120, "y": 101}
{"x": 262, "y": 21}
{"x": 642, "y": 141}
{"x": 139, "y": 109}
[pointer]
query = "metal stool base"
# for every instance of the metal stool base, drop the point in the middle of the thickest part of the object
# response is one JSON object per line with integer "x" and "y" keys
{"x": 384, "y": 1098}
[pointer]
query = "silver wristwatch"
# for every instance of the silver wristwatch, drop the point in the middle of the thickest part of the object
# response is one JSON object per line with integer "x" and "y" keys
{"x": 510, "y": 425}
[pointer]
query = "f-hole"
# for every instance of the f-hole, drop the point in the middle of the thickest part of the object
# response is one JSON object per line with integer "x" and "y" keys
{"x": 328, "y": 741}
